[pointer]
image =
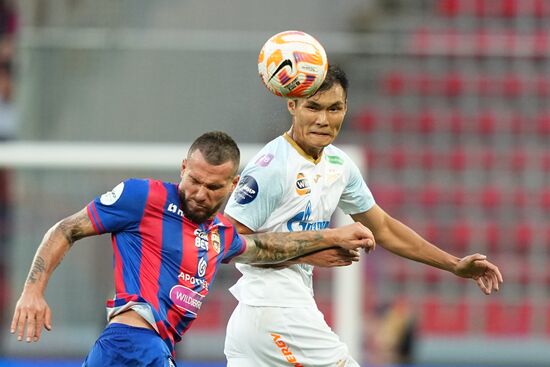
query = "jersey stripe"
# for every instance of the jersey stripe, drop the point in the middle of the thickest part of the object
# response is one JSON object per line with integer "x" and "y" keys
{"x": 151, "y": 226}
{"x": 119, "y": 268}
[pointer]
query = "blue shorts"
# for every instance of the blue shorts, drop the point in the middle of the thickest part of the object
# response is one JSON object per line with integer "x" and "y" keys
{"x": 124, "y": 345}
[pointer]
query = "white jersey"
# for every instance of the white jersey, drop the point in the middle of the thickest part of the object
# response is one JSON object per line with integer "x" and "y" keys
{"x": 282, "y": 189}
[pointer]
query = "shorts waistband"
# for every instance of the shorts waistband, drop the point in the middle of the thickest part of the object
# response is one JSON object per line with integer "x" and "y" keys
{"x": 116, "y": 328}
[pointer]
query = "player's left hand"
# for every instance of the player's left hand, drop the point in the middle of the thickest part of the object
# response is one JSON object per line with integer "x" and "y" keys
{"x": 486, "y": 274}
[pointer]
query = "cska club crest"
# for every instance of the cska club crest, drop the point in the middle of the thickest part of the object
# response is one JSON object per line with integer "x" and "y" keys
{"x": 215, "y": 239}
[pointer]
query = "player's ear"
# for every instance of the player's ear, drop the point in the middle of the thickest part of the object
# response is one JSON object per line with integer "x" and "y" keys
{"x": 183, "y": 167}
{"x": 291, "y": 105}
{"x": 235, "y": 182}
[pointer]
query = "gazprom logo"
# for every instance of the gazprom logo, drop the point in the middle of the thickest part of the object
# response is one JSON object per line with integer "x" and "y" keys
{"x": 301, "y": 221}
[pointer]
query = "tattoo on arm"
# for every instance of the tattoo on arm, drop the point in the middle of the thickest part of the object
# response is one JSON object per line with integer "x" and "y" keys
{"x": 38, "y": 267}
{"x": 275, "y": 247}
{"x": 73, "y": 227}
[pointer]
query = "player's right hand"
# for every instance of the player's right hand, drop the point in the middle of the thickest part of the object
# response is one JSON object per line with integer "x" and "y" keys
{"x": 32, "y": 312}
{"x": 355, "y": 235}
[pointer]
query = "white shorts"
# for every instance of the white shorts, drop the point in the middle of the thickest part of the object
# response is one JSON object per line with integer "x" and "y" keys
{"x": 283, "y": 336}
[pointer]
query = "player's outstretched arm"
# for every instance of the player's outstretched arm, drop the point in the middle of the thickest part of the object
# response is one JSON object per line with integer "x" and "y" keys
{"x": 403, "y": 241}
{"x": 31, "y": 308}
{"x": 272, "y": 248}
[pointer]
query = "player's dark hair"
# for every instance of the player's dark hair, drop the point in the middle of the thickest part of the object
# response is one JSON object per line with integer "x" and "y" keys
{"x": 217, "y": 148}
{"x": 335, "y": 75}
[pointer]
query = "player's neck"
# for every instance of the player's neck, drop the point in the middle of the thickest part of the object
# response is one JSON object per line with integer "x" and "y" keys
{"x": 310, "y": 153}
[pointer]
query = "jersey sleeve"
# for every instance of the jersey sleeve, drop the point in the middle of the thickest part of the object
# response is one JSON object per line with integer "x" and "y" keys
{"x": 357, "y": 197}
{"x": 119, "y": 209}
{"x": 257, "y": 195}
{"x": 237, "y": 247}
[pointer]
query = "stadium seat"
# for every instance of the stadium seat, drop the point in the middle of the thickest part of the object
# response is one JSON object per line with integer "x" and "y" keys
{"x": 458, "y": 159}
{"x": 458, "y": 197}
{"x": 426, "y": 122}
{"x": 427, "y": 158}
{"x": 512, "y": 85}
{"x": 460, "y": 236}
{"x": 505, "y": 319}
{"x": 394, "y": 83}
{"x": 443, "y": 317}
{"x": 486, "y": 123}
{"x": 523, "y": 236}
{"x": 487, "y": 159}
{"x": 390, "y": 198}
{"x": 491, "y": 197}
{"x": 493, "y": 236}
{"x": 544, "y": 199}
{"x": 398, "y": 121}
{"x": 365, "y": 120}
{"x": 430, "y": 196}
{"x": 399, "y": 158}
{"x": 545, "y": 161}
{"x": 456, "y": 121}
{"x": 543, "y": 124}
{"x": 518, "y": 160}
{"x": 453, "y": 84}
{"x": 520, "y": 198}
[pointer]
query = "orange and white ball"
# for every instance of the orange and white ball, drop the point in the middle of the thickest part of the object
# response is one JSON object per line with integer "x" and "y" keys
{"x": 292, "y": 64}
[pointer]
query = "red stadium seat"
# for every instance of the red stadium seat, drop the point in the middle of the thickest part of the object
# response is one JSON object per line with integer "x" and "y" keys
{"x": 399, "y": 158}
{"x": 365, "y": 120}
{"x": 487, "y": 159}
{"x": 520, "y": 199}
{"x": 430, "y": 196}
{"x": 545, "y": 199}
{"x": 458, "y": 159}
{"x": 398, "y": 121}
{"x": 493, "y": 236}
{"x": 427, "y": 159}
{"x": 444, "y": 317}
{"x": 491, "y": 197}
{"x": 390, "y": 198}
{"x": 453, "y": 84}
{"x": 448, "y": 8}
{"x": 431, "y": 275}
{"x": 460, "y": 236}
{"x": 523, "y": 237}
{"x": 456, "y": 121}
{"x": 542, "y": 84}
{"x": 505, "y": 319}
{"x": 545, "y": 161}
{"x": 512, "y": 85}
{"x": 431, "y": 232}
{"x": 543, "y": 124}
{"x": 458, "y": 197}
{"x": 518, "y": 160}
{"x": 426, "y": 122}
{"x": 486, "y": 123}
{"x": 394, "y": 83}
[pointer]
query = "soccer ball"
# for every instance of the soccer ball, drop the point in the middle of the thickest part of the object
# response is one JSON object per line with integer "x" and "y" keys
{"x": 292, "y": 64}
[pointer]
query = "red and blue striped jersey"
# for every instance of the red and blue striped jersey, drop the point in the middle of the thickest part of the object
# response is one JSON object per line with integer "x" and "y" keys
{"x": 164, "y": 263}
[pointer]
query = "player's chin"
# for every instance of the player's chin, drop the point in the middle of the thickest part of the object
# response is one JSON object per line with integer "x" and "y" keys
{"x": 321, "y": 140}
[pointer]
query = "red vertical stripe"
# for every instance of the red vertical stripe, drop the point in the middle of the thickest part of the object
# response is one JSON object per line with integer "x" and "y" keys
{"x": 188, "y": 265}
{"x": 151, "y": 242}
{"x": 119, "y": 277}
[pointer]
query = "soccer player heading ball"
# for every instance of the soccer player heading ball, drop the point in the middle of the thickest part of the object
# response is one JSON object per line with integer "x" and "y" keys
{"x": 295, "y": 183}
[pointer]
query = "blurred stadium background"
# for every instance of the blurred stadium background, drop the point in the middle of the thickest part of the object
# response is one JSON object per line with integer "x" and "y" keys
{"x": 447, "y": 105}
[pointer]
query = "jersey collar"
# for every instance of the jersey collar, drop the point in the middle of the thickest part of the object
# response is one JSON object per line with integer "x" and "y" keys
{"x": 301, "y": 151}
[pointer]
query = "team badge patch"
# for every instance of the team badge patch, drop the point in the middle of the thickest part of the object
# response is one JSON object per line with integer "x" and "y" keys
{"x": 215, "y": 239}
{"x": 110, "y": 197}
